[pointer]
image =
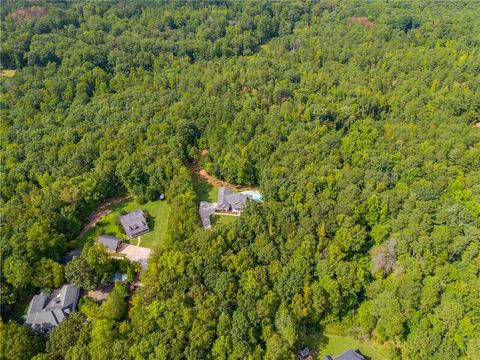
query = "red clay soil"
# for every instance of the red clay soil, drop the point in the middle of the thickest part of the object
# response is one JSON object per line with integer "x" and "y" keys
{"x": 212, "y": 180}
{"x": 27, "y": 14}
{"x": 102, "y": 211}
{"x": 360, "y": 20}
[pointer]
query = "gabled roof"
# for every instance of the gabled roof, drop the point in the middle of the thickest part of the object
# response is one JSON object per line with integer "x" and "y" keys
{"x": 69, "y": 295}
{"x": 221, "y": 195}
{"x": 69, "y": 257}
{"x": 47, "y": 311}
{"x": 350, "y": 354}
{"x": 228, "y": 200}
{"x": 132, "y": 216}
{"x": 111, "y": 242}
{"x": 38, "y": 302}
{"x": 134, "y": 223}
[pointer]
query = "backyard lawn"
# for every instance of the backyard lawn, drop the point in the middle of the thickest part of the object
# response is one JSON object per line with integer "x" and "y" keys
{"x": 209, "y": 193}
{"x": 158, "y": 210}
{"x": 335, "y": 345}
{"x": 204, "y": 190}
{"x": 223, "y": 219}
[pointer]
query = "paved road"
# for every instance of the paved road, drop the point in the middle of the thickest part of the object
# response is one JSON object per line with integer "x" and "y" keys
{"x": 205, "y": 210}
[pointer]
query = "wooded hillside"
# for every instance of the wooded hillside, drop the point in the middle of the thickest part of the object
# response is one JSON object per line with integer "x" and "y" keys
{"x": 355, "y": 119}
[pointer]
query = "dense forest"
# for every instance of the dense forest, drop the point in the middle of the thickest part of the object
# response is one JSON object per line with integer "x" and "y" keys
{"x": 356, "y": 120}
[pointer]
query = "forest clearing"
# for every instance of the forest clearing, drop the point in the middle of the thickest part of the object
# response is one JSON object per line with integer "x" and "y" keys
{"x": 104, "y": 221}
{"x": 331, "y": 344}
{"x": 7, "y": 73}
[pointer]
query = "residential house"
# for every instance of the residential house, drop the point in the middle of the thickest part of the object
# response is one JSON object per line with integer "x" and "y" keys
{"x": 304, "y": 354}
{"x": 229, "y": 201}
{"x": 47, "y": 311}
{"x": 350, "y": 354}
{"x": 113, "y": 243}
{"x": 70, "y": 255}
{"x": 134, "y": 223}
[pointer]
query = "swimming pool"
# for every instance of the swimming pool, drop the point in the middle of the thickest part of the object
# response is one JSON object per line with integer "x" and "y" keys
{"x": 255, "y": 195}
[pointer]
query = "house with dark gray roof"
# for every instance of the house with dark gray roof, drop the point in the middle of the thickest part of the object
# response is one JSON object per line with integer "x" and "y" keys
{"x": 70, "y": 255}
{"x": 350, "y": 354}
{"x": 304, "y": 354}
{"x": 47, "y": 311}
{"x": 229, "y": 201}
{"x": 134, "y": 223}
{"x": 113, "y": 243}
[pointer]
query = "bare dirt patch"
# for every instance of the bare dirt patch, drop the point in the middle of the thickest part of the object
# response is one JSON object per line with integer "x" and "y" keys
{"x": 214, "y": 181}
{"x": 360, "y": 20}
{"x": 27, "y": 14}
{"x": 100, "y": 294}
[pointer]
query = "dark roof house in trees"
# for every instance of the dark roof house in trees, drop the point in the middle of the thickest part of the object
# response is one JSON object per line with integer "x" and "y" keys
{"x": 350, "y": 354}
{"x": 228, "y": 201}
{"x": 112, "y": 243}
{"x": 134, "y": 223}
{"x": 304, "y": 354}
{"x": 47, "y": 311}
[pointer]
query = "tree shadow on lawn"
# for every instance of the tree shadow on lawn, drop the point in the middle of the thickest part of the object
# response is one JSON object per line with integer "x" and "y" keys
{"x": 202, "y": 188}
{"x": 118, "y": 207}
{"x": 321, "y": 343}
{"x": 150, "y": 223}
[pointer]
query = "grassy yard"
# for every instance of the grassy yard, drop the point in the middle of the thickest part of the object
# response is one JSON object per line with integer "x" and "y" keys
{"x": 324, "y": 344}
{"x": 158, "y": 210}
{"x": 204, "y": 190}
{"x": 7, "y": 73}
{"x": 208, "y": 192}
{"x": 223, "y": 219}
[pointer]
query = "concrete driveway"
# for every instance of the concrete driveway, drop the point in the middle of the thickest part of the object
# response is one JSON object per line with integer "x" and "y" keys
{"x": 137, "y": 253}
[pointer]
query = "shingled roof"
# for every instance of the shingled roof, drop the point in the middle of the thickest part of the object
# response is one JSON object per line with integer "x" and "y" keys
{"x": 350, "y": 354}
{"x": 112, "y": 243}
{"x": 47, "y": 311}
{"x": 134, "y": 223}
{"x": 230, "y": 201}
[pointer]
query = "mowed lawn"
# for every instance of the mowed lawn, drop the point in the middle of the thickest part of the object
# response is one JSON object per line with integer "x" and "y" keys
{"x": 159, "y": 212}
{"x": 223, "y": 219}
{"x": 204, "y": 190}
{"x": 336, "y": 344}
{"x": 7, "y": 73}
